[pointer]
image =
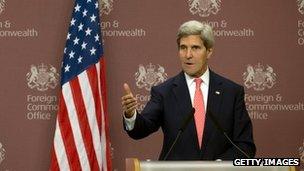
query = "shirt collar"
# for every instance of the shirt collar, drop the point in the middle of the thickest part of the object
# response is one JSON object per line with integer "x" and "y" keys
{"x": 205, "y": 77}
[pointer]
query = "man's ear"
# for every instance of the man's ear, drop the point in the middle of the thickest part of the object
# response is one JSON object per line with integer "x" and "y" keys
{"x": 209, "y": 53}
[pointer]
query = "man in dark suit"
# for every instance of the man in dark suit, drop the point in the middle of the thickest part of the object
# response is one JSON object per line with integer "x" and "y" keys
{"x": 199, "y": 87}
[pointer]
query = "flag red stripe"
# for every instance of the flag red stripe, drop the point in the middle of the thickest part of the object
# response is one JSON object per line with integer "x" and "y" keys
{"x": 67, "y": 135}
{"x": 105, "y": 109}
{"x": 84, "y": 123}
{"x": 103, "y": 84}
{"x": 54, "y": 163}
{"x": 92, "y": 75}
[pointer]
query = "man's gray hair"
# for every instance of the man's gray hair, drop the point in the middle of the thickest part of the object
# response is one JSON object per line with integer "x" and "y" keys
{"x": 196, "y": 28}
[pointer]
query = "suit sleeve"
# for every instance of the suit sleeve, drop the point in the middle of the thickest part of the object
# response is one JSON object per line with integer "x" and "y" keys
{"x": 242, "y": 131}
{"x": 150, "y": 119}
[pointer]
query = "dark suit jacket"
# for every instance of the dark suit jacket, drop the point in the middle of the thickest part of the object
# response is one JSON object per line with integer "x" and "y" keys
{"x": 169, "y": 106}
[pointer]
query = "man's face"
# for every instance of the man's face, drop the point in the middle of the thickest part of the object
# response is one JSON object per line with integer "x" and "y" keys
{"x": 193, "y": 55}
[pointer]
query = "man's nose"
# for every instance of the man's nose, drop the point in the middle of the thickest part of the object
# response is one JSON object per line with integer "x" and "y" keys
{"x": 189, "y": 54}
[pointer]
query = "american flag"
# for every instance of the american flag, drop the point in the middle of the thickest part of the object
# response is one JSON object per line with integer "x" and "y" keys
{"x": 81, "y": 140}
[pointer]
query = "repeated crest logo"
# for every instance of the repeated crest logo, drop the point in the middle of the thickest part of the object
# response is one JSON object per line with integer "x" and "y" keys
{"x": 301, "y": 152}
{"x": 204, "y": 7}
{"x": 2, "y": 6}
{"x": 42, "y": 77}
{"x": 301, "y": 6}
{"x": 259, "y": 78}
{"x": 2, "y": 153}
{"x": 149, "y": 76}
{"x": 106, "y": 6}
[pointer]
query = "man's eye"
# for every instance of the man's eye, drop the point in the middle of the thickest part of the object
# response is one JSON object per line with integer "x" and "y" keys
{"x": 195, "y": 47}
{"x": 182, "y": 47}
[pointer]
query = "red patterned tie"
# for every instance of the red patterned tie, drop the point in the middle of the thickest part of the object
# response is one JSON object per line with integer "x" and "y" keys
{"x": 199, "y": 115}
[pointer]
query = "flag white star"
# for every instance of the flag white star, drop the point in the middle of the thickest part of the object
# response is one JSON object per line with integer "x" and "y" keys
{"x": 80, "y": 27}
{"x": 84, "y": 13}
{"x": 93, "y": 50}
{"x": 89, "y": 1}
{"x": 71, "y": 54}
{"x": 73, "y": 22}
{"x": 96, "y": 37}
{"x": 64, "y": 51}
{"x": 68, "y": 36}
{"x": 93, "y": 18}
{"x": 77, "y": 8}
{"x": 67, "y": 68}
{"x": 79, "y": 59}
{"x": 88, "y": 31}
{"x": 83, "y": 45}
{"x": 96, "y": 5}
{"x": 76, "y": 40}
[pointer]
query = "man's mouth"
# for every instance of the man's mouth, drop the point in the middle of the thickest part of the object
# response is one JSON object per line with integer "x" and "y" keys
{"x": 189, "y": 63}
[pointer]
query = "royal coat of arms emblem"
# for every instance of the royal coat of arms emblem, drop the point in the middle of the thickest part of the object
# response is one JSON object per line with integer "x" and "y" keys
{"x": 204, "y": 7}
{"x": 106, "y": 6}
{"x": 259, "y": 78}
{"x": 42, "y": 77}
{"x": 148, "y": 76}
{"x": 301, "y": 6}
{"x": 2, "y": 5}
{"x": 301, "y": 152}
{"x": 2, "y": 153}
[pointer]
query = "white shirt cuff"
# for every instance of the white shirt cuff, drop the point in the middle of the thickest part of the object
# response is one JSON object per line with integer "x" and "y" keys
{"x": 130, "y": 122}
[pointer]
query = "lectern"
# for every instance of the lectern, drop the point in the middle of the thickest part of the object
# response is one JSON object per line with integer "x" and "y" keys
{"x": 133, "y": 164}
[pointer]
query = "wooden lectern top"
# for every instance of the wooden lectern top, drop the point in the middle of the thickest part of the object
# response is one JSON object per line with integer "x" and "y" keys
{"x": 133, "y": 164}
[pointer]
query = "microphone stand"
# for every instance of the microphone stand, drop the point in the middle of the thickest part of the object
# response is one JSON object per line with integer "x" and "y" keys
{"x": 180, "y": 131}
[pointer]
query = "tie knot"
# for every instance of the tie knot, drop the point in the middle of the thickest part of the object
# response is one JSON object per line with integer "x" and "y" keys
{"x": 198, "y": 82}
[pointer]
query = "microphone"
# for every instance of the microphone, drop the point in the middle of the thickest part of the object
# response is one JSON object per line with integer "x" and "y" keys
{"x": 218, "y": 126}
{"x": 180, "y": 131}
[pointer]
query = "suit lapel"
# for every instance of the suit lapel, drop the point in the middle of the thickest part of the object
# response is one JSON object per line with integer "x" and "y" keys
{"x": 182, "y": 94}
{"x": 184, "y": 104}
{"x": 215, "y": 95}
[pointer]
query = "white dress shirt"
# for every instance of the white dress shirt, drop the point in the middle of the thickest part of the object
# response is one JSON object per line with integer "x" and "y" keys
{"x": 204, "y": 86}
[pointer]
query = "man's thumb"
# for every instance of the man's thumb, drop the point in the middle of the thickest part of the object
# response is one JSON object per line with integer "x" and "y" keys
{"x": 127, "y": 88}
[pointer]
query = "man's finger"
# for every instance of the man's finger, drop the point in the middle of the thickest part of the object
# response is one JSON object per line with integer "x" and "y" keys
{"x": 126, "y": 97}
{"x": 127, "y": 88}
{"x": 125, "y": 102}
{"x": 131, "y": 104}
{"x": 131, "y": 111}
